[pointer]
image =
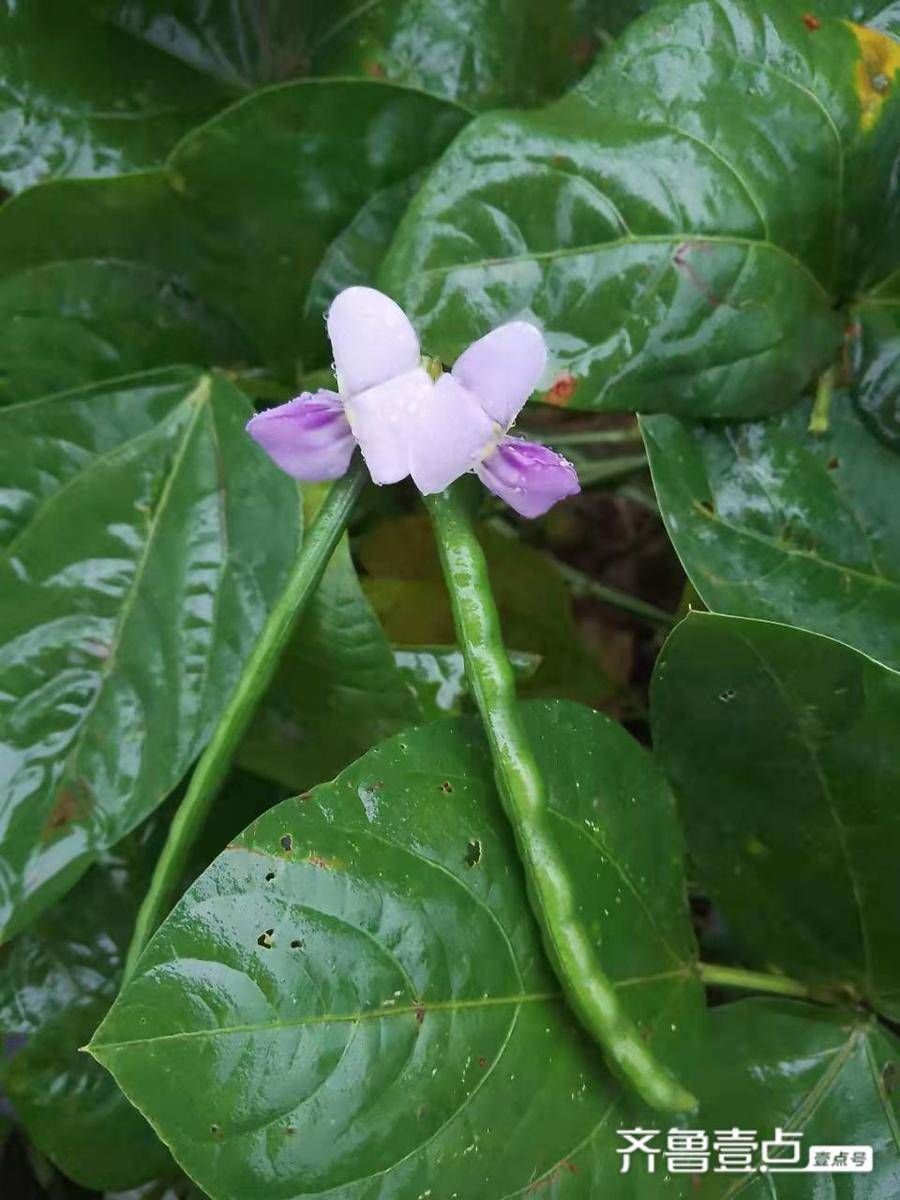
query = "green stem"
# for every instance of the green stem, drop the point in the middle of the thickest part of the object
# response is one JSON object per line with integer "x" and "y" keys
{"x": 524, "y": 797}
{"x": 821, "y": 409}
{"x": 584, "y": 437}
{"x": 584, "y": 585}
{"x": 318, "y": 545}
{"x": 605, "y": 470}
{"x": 753, "y": 981}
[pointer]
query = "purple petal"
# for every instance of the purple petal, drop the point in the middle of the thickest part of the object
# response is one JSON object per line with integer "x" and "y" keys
{"x": 308, "y": 437}
{"x": 371, "y": 338}
{"x": 503, "y": 369}
{"x": 529, "y": 477}
{"x": 451, "y": 434}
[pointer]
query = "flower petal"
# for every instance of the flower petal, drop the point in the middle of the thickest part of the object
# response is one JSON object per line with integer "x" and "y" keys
{"x": 451, "y": 434}
{"x": 383, "y": 418}
{"x": 309, "y": 437}
{"x": 503, "y": 369}
{"x": 371, "y": 338}
{"x": 529, "y": 477}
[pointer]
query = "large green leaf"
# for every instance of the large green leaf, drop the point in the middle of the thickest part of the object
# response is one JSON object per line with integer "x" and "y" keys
{"x": 645, "y": 222}
{"x": 78, "y": 97}
{"x": 773, "y": 521}
{"x": 57, "y": 982}
{"x": 481, "y": 53}
{"x": 67, "y": 323}
{"x": 782, "y": 749}
{"x": 874, "y": 360}
{"x": 133, "y": 579}
{"x": 338, "y": 690}
{"x": 825, "y": 1073}
{"x": 241, "y": 215}
{"x": 353, "y": 1000}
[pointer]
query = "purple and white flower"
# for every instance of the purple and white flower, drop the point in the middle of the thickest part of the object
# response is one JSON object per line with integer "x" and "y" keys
{"x": 406, "y": 422}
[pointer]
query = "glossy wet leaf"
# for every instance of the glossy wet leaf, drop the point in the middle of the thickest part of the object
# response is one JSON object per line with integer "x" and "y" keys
{"x": 133, "y": 580}
{"x": 437, "y": 675}
{"x": 873, "y": 361}
{"x": 773, "y": 521}
{"x": 824, "y": 1072}
{"x": 244, "y": 211}
{"x": 338, "y": 690}
{"x": 56, "y": 983}
{"x": 404, "y": 583}
{"x": 81, "y": 98}
{"x": 782, "y": 750}
{"x": 644, "y": 221}
{"x": 353, "y": 998}
{"x": 64, "y": 324}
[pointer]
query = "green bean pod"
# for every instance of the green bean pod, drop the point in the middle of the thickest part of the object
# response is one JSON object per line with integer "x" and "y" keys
{"x": 523, "y": 794}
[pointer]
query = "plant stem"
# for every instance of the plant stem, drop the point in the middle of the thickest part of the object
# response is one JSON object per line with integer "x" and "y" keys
{"x": 821, "y": 409}
{"x": 604, "y": 470}
{"x": 583, "y": 585}
{"x": 584, "y": 437}
{"x": 318, "y": 545}
{"x": 753, "y": 981}
{"x": 524, "y": 797}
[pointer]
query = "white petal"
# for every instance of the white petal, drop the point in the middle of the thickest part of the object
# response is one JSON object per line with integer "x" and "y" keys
{"x": 383, "y": 419}
{"x": 371, "y": 338}
{"x": 450, "y": 435}
{"x": 503, "y": 369}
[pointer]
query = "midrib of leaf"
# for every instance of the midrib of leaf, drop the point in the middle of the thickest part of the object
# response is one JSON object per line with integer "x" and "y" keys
{"x": 386, "y": 1013}
{"x": 122, "y": 450}
{"x": 200, "y": 398}
{"x": 825, "y": 790}
{"x": 795, "y": 551}
{"x": 618, "y": 243}
{"x": 807, "y": 1107}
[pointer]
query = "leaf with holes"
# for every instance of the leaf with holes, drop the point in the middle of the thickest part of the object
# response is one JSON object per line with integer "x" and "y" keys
{"x": 771, "y": 520}
{"x": 353, "y": 997}
{"x": 644, "y": 222}
{"x": 781, "y": 747}
{"x": 79, "y": 97}
{"x": 132, "y": 584}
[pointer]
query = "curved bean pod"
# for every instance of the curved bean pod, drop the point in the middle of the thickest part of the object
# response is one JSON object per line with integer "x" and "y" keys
{"x": 523, "y": 794}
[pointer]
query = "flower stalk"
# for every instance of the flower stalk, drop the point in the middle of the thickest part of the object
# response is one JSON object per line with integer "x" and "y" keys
{"x": 318, "y": 545}
{"x": 523, "y": 794}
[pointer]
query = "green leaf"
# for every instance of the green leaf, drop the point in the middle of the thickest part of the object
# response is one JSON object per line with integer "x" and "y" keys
{"x": 826, "y": 1073}
{"x": 874, "y": 360}
{"x": 57, "y": 982}
{"x": 644, "y": 222}
{"x": 437, "y": 675}
{"x": 246, "y": 206}
{"x": 481, "y": 53}
{"x": 132, "y": 583}
{"x": 405, "y": 586}
{"x": 81, "y": 98}
{"x": 773, "y": 521}
{"x": 353, "y": 999}
{"x": 782, "y": 749}
{"x": 337, "y": 692}
{"x": 65, "y": 324}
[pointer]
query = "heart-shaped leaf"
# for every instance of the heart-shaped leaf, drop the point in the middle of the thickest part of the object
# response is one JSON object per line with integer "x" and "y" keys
{"x": 79, "y": 97}
{"x": 240, "y": 216}
{"x": 772, "y": 520}
{"x": 782, "y": 749}
{"x": 353, "y": 999}
{"x": 133, "y": 581}
{"x": 644, "y": 220}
